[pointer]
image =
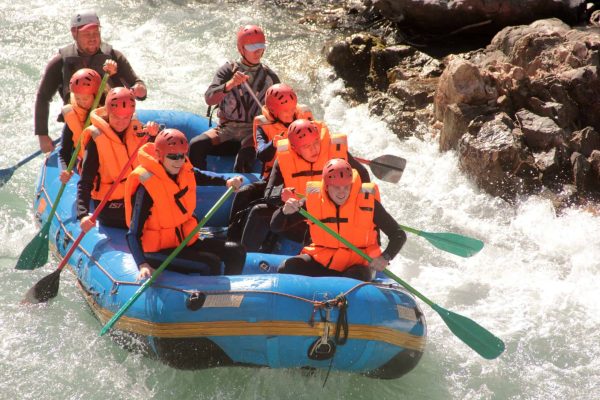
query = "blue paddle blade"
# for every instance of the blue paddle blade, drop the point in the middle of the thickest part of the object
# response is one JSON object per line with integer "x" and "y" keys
{"x": 5, "y": 175}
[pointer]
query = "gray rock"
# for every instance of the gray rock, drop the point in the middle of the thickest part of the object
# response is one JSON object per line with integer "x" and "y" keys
{"x": 540, "y": 133}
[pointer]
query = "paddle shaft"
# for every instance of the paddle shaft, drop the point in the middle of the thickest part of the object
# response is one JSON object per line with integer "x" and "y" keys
{"x": 165, "y": 263}
{"x": 77, "y": 148}
{"x": 249, "y": 90}
{"x": 98, "y": 209}
{"x": 32, "y": 156}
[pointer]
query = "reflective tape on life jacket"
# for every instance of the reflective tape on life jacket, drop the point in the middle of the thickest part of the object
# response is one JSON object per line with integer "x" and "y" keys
{"x": 353, "y": 221}
{"x": 171, "y": 216}
{"x": 75, "y": 117}
{"x": 296, "y": 171}
{"x": 113, "y": 153}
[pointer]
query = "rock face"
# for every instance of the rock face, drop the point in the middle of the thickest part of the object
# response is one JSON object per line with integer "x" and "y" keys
{"x": 544, "y": 78}
{"x": 447, "y": 16}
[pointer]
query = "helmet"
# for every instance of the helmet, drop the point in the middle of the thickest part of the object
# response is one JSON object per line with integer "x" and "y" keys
{"x": 170, "y": 141}
{"x": 84, "y": 20}
{"x": 85, "y": 81}
{"x": 120, "y": 101}
{"x": 251, "y": 38}
{"x": 280, "y": 98}
{"x": 338, "y": 172}
{"x": 302, "y": 132}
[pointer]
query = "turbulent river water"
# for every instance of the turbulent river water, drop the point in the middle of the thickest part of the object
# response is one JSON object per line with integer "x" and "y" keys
{"x": 535, "y": 284}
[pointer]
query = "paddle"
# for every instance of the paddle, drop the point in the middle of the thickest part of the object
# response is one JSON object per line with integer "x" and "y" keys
{"x": 388, "y": 167}
{"x": 454, "y": 243}
{"x": 35, "y": 254}
{"x": 164, "y": 264}
{"x": 47, "y": 287}
{"x": 6, "y": 173}
{"x": 471, "y": 333}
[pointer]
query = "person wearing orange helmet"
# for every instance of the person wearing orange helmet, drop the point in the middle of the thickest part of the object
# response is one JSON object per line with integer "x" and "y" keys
{"x": 109, "y": 142}
{"x": 236, "y": 106}
{"x": 299, "y": 158}
{"x": 352, "y": 209}
{"x": 160, "y": 199}
{"x": 87, "y": 50}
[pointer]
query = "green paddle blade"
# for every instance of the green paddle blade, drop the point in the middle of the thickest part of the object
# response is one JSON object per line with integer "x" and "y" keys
{"x": 471, "y": 333}
{"x": 44, "y": 290}
{"x": 35, "y": 254}
{"x": 454, "y": 243}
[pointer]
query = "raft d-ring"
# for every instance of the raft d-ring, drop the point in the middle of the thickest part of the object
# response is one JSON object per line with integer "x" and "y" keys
{"x": 115, "y": 288}
{"x": 264, "y": 266}
{"x": 195, "y": 301}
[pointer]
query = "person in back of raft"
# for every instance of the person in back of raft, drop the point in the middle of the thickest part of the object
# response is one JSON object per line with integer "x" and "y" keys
{"x": 109, "y": 142}
{"x": 237, "y": 107}
{"x": 160, "y": 199}
{"x": 352, "y": 209}
{"x": 83, "y": 87}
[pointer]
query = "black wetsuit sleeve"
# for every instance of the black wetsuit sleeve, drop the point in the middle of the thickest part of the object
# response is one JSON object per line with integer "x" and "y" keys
{"x": 388, "y": 225}
{"x": 142, "y": 203}
{"x": 281, "y": 222}
{"x": 66, "y": 146}
{"x": 49, "y": 85}
{"x": 204, "y": 178}
{"x": 216, "y": 90}
{"x": 274, "y": 186}
{"x": 362, "y": 171}
{"x": 125, "y": 73}
{"x": 265, "y": 151}
{"x": 89, "y": 171}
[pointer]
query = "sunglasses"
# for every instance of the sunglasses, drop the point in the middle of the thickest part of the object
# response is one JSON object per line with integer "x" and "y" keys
{"x": 175, "y": 157}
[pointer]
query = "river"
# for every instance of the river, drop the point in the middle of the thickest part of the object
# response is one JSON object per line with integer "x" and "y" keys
{"x": 535, "y": 283}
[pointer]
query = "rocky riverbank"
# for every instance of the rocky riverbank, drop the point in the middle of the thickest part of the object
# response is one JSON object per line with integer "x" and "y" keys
{"x": 515, "y": 95}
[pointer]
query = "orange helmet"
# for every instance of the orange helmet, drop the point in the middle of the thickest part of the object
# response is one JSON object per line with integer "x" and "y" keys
{"x": 280, "y": 98}
{"x": 250, "y": 38}
{"x": 120, "y": 101}
{"x": 170, "y": 141}
{"x": 85, "y": 81}
{"x": 302, "y": 132}
{"x": 337, "y": 172}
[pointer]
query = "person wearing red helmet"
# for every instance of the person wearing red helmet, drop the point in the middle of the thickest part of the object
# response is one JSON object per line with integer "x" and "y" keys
{"x": 109, "y": 142}
{"x": 83, "y": 87}
{"x": 351, "y": 208}
{"x": 236, "y": 106}
{"x": 280, "y": 110}
{"x": 160, "y": 199}
{"x": 299, "y": 158}
{"x": 87, "y": 50}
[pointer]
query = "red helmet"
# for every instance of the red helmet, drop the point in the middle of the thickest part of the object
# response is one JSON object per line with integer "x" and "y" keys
{"x": 252, "y": 36}
{"x": 170, "y": 141}
{"x": 302, "y": 132}
{"x": 337, "y": 172}
{"x": 280, "y": 98}
{"x": 85, "y": 81}
{"x": 120, "y": 101}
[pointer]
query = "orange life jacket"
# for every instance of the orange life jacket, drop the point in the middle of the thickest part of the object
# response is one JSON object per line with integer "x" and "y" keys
{"x": 113, "y": 153}
{"x": 75, "y": 117}
{"x": 171, "y": 216}
{"x": 275, "y": 130}
{"x": 296, "y": 171}
{"x": 353, "y": 221}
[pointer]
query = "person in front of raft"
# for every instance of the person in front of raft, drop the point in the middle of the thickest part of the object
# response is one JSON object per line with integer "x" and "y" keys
{"x": 87, "y": 51}
{"x": 109, "y": 142}
{"x": 160, "y": 199}
{"x": 237, "y": 107}
{"x": 352, "y": 209}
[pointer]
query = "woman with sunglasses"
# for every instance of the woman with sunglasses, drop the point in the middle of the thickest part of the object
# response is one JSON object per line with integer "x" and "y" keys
{"x": 160, "y": 199}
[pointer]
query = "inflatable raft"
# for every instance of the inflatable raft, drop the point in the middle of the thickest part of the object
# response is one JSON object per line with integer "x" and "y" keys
{"x": 260, "y": 318}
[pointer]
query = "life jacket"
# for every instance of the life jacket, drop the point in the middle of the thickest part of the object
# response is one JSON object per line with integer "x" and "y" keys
{"x": 353, "y": 221}
{"x": 275, "y": 130}
{"x": 113, "y": 153}
{"x": 296, "y": 171}
{"x": 238, "y": 105}
{"x": 75, "y": 117}
{"x": 73, "y": 62}
{"x": 171, "y": 217}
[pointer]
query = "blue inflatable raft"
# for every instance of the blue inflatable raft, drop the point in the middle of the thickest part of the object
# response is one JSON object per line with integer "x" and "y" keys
{"x": 260, "y": 318}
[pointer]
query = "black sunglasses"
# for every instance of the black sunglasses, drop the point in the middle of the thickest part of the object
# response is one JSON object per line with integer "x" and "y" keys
{"x": 175, "y": 157}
